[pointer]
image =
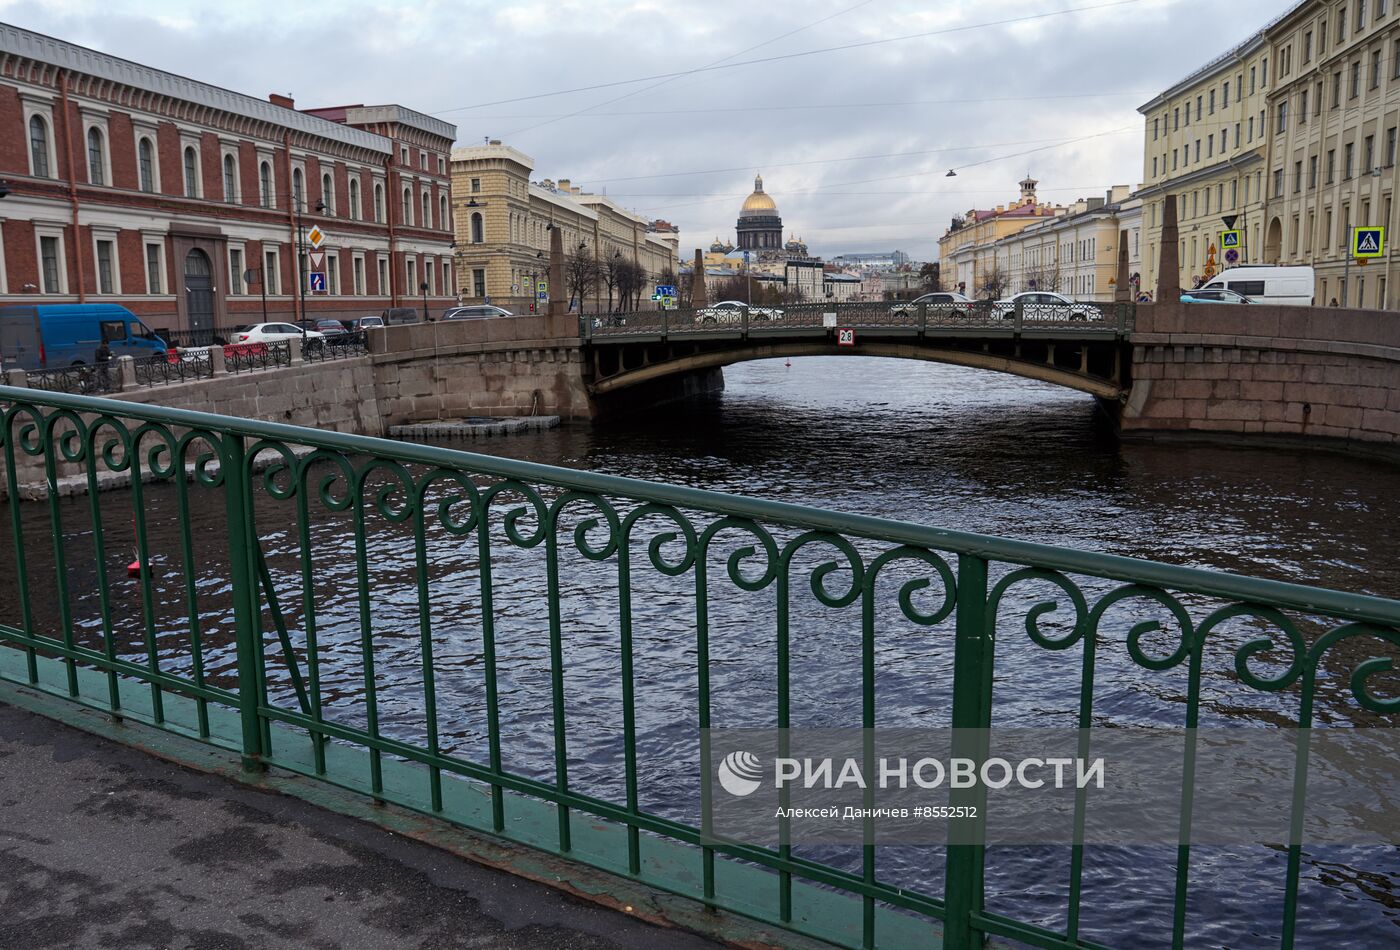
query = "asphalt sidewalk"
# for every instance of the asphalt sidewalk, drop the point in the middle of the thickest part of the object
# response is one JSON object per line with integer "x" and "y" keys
{"x": 102, "y": 845}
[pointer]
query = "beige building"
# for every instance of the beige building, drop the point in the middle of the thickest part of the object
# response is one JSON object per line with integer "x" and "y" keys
{"x": 1205, "y": 141}
{"x": 502, "y": 221}
{"x": 1333, "y": 114}
{"x": 967, "y": 251}
{"x": 1075, "y": 253}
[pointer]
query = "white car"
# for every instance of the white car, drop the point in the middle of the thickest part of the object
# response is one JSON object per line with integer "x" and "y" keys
{"x": 275, "y": 333}
{"x": 1043, "y": 305}
{"x": 951, "y": 300}
{"x": 732, "y": 311}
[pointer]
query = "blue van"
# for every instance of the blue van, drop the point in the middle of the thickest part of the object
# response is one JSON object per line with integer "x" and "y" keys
{"x": 42, "y": 336}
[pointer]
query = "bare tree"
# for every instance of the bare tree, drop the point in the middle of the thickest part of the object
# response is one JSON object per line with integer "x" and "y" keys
{"x": 993, "y": 282}
{"x": 1043, "y": 277}
{"x": 630, "y": 281}
{"x": 581, "y": 275}
{"x": 928, "y": 277}
{"x": 608, "y": 272}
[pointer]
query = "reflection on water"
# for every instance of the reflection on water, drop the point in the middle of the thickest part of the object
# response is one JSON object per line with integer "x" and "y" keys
{"x": 940, "y": 445}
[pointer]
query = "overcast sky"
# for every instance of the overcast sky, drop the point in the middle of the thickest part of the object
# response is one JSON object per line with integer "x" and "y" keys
{"x": 976, "y": 97}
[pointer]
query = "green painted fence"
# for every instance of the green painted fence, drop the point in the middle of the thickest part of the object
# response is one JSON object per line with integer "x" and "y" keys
{"x": 268, "y": 701}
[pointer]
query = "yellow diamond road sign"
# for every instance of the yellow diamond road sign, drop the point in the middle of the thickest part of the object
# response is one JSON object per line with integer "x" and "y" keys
{"x": 1367, "y": 242}
{"x": 316, "y": 236}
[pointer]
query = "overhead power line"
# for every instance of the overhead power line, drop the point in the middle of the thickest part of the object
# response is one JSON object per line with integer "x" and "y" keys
{"x": 788, "y": 56}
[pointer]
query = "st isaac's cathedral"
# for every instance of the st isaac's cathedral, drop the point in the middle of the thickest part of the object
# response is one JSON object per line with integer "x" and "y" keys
{"x": 760, "y": 231}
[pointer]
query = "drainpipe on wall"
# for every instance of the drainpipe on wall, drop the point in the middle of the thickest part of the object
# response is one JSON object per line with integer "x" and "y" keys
{"x": 391, "y": 198}
{"x": 291, "y": 227}
{"x": 72, "y": 184}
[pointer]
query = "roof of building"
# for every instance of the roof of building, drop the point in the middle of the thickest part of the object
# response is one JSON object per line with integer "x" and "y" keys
{"x": 91, "y": 62}
{"x": 758, "y": 204}
{"x": 392, "y": 113}
{"x": 493, "y": 150}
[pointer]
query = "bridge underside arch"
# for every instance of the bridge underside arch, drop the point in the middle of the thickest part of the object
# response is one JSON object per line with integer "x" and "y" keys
{"x": 1050, "y": 368}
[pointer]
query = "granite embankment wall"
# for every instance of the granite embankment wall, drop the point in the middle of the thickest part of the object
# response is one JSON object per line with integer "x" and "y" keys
{"x": 1282, "y": 373}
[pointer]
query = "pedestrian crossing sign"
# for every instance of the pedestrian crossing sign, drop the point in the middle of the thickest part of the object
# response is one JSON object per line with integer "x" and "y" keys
{"x": 1367, "y": 242}
{"x": 1229, "y": 239}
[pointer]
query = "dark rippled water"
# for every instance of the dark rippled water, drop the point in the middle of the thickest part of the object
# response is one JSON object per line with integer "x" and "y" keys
{"x": 939, "y": 445}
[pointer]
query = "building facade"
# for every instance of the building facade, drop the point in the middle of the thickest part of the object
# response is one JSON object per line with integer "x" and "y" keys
{"x": 1206, "y": 142}
{"x": 968, "y": 253}
{"x": 1075, "y": 253}
{"x": 190, "y": 204}
{"x": 1333, "y": 114}
{"x": 503, "y": 220}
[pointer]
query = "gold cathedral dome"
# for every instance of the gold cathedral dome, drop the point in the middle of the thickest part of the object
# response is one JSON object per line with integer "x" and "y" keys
{"x": 758, "y": 203}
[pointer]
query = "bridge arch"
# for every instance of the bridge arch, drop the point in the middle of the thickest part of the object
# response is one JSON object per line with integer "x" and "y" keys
{"x": 1046, "y": 371}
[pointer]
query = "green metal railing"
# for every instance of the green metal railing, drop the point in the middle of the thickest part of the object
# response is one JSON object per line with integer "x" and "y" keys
{"x": 271, "y": 695}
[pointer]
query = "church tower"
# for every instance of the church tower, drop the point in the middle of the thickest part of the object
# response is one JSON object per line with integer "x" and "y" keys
{"x": 759, "y": 228}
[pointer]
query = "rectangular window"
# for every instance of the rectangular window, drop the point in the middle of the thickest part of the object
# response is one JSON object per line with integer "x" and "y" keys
{"x": 1174, "y": 163}
{"x": 1210, "y": 146}
{"x": 1341, "y": 24}
{"x": 1297, "y": 177}
{"x": 1212, "y": 102}
{"x": 476, "y": 186}
{"x": 1312, "y": 172}
{"x": 1263, "y": 72}
{"x": 1225, "y": 95}
{"x": 48, "y": 263}
{"x": 357, "y": 269}
{"x": 1250, "y": 137}
{"x": 106, "y": 252}
{"x": 1376, "y": 69}
{"x": 1317, "y": 99}
{"x": 1154, "y": 166}
{"x": 1234, "y": 194}
{"x": 1369, "y": 154}
{"x": 1282, "y": 118}
{"x": 1251, "y": 80}
{"x": 1331, "y": 165}
{"x": 1278, "y": 183}
{"x": 1360, "y": 16}
{"x": 1349, "y": 161}
{"x": 412, "y": 272}
{"x": 332, "y": 273}
{"x": 272, "y": 273}
{"x": 1237, "y": 135}
{"x": 479, "y": 282}
{"x": 1303, "y": 108}
{"x": 1336, "y": 89}
{"x": 1355, "y": 79}
{"x": 235, "y": 271}
{"x": 1390, "y": 146}
{"x": 1307, "y": 47}
{"x": 383, "y": 277}
{"x": 1198, "y": 150}
{"x": 1154, "y": 130}
{"x": 1395, "y": 59}
{"x": 403, "y": 154}
{"x": 155, "y": 277}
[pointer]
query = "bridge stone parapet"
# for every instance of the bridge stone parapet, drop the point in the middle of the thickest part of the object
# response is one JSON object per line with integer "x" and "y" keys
{"x": 1280, "y": 373}
{"x": 526, "y": 365}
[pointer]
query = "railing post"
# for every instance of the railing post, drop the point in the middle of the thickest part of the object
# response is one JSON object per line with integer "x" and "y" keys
{"x": 744, "y": 318}
{"x": 1020, "y": 315}
{"x": 665, "y": 323}
{"x": 245, "y": 601}
{"x": 923, "y": 319}
{"x": 971, "y": 714}
{"x": 216, "y": 361}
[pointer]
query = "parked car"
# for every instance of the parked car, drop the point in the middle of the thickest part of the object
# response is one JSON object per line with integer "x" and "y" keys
{"x": 476, "y": 312}
{"x": 1213, "y": 296}
{"x": 360, "y": 324}
{"x": 1043, "y": 305}
{"x": 334, "y": 331}
{"x": 33, "y": 336}
{"x": 275, "y": 333}
{"x": 1268, "y": 283}
{"x": 397, "y": 315}
{"x": 947, "y": 301}
{"x": 732, "y": 311}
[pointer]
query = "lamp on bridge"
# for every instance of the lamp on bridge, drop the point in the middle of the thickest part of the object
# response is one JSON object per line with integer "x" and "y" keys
{"x": 424, "y": 287}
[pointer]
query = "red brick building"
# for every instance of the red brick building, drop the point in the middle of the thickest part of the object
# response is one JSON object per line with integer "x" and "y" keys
{"x": 135, "y": 186}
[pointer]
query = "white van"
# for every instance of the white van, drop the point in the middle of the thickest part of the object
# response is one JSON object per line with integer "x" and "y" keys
{"x": 1268, "y": 283}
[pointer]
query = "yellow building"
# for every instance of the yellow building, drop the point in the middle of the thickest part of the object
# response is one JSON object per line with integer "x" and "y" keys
{"x": 967, "y": 251}
{"x": 1333, "y": 115}
{"x": 502, "y": 219}
{"x": 1205, "y": 141}
{"x": 1075, "y": 253}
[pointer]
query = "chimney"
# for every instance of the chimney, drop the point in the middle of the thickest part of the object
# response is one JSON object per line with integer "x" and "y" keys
{"x": 493, "y": 142}
{"x": 286, "y": 102}
{"x": 564, "y": 185}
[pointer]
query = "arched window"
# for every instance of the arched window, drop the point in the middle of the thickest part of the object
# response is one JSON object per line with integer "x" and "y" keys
{"x": 478, "y": 228}
{"x": 408, "y": 206}
{"x": 265, "y": 185}
{"x": 298, "y": 190}
{"x": 442, "y": 213}
{"x": 328, "y": 192}
{"x": 191, "y": 172}
{"x": 378, "y": 202}
{"x": 230, "y": 179}
{"x": 354, "y": 199}
{"x": 39, "y": 146}
{"x": 146, "y": 165}
{"x": 97, "y": 162}
{"x": 427, "y": 211}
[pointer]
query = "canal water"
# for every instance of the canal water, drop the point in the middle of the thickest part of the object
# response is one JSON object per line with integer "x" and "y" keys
{"x": 941, "y": 445}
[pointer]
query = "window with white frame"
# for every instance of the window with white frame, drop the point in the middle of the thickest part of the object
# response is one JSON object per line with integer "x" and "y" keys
{"x": 191, "y": 167}
{"x": 332, "y": 272}
{"x": 428, "y": 276}
{"x": 272, "y": 272}
{"x": 4, "y": 285}
{"x": 383, "y": 277}
{"x": 354, "y": 194}
{"x": 96, "y": 156}
{"x": 328, "y": 192}
{"x": 298, "y": 190}
{"x": 403, "y": 154}
{"x": 235, "y": 271}
{"x": 412, "y": 271}
{"x": 442, "y": 213}
{"x": 230, "y": 178}
{"x": 146, "y": 171}
{"x": 378, "y": 202}
{"x": 52, "y": 276}
{"x": 155, "y": 268}
{"x": 108, "y": 273}
{"x": 423, "y": 160}
{"x": 357, "y": 275}
{"x": 478, "y": 228}
{"x": 449, "y": 285}
{"x": 265, "y": 186}
{"x": 408, "y": 206}
{"x": 427, "y": 219}
{"x": 40, "y": 147}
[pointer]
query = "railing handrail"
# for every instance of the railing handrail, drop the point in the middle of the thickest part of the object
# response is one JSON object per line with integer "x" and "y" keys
{"x": 1359, "y": 607}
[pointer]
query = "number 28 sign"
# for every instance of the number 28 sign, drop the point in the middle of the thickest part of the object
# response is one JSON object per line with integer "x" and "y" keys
{"x": 845, "y": 337}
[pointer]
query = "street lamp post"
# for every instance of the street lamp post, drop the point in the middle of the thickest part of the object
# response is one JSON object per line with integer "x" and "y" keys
{"x": 424, "y": 287}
